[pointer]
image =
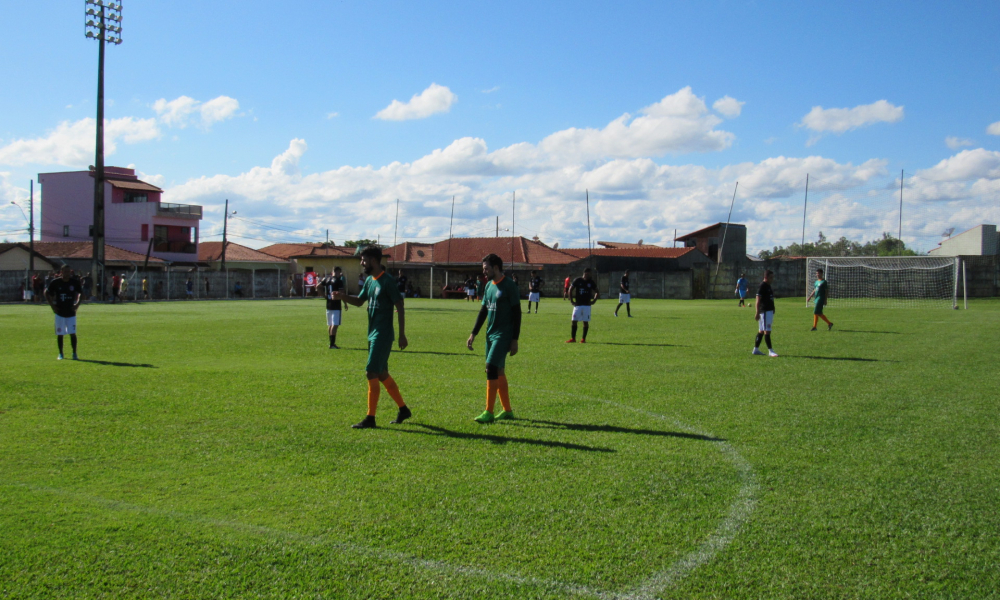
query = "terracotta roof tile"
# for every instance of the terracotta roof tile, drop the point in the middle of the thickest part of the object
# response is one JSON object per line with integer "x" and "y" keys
{"x": 212, "y": 251}
{"x": 643, "y": 251}
{"x": 463, "y": 251}
{"x": 78, "y": 250}
{"x": 287, "y": 251}
{"x": 134, "y": 185}
{"x": 705, "y": 230}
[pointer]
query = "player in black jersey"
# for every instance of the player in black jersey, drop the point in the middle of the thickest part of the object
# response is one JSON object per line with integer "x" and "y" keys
{"x": 63, "y": 294}
{"x": 764, "y": 314}
{"x": 333, "y": 283}
{"x": 624, "y": 297}
{"x": 582, "y": 293}
{"x": 534, "y": 291}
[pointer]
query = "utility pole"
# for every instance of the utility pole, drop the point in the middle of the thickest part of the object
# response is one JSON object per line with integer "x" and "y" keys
{"x": 98, "y": 13}
{"x": 805, "y": 205}
{"x": 513, "y": 211}
{"x": 31, "y": 227}
{"x": 900, "y": 236}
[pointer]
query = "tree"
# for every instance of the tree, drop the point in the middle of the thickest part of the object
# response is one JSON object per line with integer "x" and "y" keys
{"x": 886, "y": 246}
{"x": 359, "y": 243}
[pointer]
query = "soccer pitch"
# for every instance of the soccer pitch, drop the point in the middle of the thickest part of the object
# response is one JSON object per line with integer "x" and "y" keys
{"x": 204, "y": 450}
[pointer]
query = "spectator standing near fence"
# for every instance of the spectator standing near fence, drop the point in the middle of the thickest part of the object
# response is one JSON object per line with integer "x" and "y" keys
{"x": 116, "y": 285}
{"x": 189, "y": 289}
{"x": 123, "y": 288}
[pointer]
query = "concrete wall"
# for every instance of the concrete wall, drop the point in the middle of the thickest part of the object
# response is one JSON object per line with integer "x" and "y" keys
{"x": 980, "y": 240}
{"x": 68, "y": 199}
{"x": 789, "y": 278}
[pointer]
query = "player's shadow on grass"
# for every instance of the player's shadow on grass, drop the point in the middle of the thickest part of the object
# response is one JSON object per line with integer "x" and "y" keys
{"x": 461, "y": 310}
{"x": 540, "y": 424}
{"x": 110, "y": 363}
{"x": 396, "y": 349}
{"x": 499, "y": 439}
{"x": 851, "y": 358}
{"x": 868, "y": 331}
{"x": 637, "y": 344}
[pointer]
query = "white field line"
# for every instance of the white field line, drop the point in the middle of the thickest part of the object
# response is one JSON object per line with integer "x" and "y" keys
{"x": 739, "y": 512}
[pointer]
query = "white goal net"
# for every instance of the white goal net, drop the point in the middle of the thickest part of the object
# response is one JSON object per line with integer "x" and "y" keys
{"x": 887, "y": 281}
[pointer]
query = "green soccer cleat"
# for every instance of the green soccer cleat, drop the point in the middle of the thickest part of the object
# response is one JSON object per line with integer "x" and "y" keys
{"x": 486, "y": 417}
{"x": 505, "y": 415}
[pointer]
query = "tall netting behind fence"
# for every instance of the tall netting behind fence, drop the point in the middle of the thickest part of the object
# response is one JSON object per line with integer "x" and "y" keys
{"x": 888, "y": 282}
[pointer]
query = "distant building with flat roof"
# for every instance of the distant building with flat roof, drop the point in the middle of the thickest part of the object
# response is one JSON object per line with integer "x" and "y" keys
{"x": 981, "y": 240}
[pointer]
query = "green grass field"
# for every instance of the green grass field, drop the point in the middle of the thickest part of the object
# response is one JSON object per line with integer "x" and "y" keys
{"x": 203, "y": 450}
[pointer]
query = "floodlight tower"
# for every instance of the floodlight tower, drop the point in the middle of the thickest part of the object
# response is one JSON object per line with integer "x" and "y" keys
{"x": 103, "y": 22}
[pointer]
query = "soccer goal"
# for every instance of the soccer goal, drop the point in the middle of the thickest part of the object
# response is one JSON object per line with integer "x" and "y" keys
{"x": 888, "y": 281}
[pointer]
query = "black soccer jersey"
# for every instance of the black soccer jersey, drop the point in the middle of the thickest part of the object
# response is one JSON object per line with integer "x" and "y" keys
{"x": 766, "y": 295}
{"x": 583, "y": 291}
{"x": 624, "y": 284}
{"x": 331, "y": 285}
{"x": 535, "y": 285}
{"x": 65, "y": 293}
{"x": 401, "y": 283}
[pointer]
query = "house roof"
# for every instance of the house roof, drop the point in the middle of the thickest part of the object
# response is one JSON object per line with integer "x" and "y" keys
{"x": 134, "y": 185}
{"x": 212, "y": 251}
{"x": 636, "y": 251}
{"x": 7, "y": 246}
{"x": 470, "y": 251}
{"x": 625, "y": 245}
{"x": 704, "y": 231}
{"x": 314, "y": 250}
{"x": 84, "y": 250}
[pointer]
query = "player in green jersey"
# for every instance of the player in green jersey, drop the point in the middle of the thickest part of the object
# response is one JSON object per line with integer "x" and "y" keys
{"x": 819, "y": 291}
{"x": 382, "y": 294}
{"x": 501, "y": 312}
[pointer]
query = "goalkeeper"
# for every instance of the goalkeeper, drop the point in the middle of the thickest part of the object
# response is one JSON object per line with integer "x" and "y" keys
{"x": 820, "y": 291}
{"x": 501, "y": 311}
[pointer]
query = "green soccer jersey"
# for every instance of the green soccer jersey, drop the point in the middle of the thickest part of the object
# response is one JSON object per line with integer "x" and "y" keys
{"x": 382, "y": 295}
{"x": 500, "y": 300}
{"x": 819, "y": 292}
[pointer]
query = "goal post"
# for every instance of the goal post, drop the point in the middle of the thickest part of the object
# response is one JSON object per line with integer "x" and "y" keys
{"x": 887, "y": 281}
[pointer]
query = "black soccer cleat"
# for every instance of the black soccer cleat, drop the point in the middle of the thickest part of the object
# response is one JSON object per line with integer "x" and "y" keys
{"x": 403, "y": 414}
{"x": 367, "y": 423}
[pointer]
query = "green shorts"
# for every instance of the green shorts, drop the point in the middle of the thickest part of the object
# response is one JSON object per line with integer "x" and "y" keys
{"x": 819, "y": 308}
{"x": 378, "y": 356}
{"x": 496, "y": 351}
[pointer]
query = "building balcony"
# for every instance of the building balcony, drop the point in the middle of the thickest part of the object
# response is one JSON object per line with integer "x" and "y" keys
{"x": 168, "y": 209}
{"x": 179, "y": 247}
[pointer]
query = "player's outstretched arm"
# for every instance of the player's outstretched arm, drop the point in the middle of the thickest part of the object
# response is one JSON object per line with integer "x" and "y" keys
{"x": 352, "y": 300}
{"x": 403, "y": 343}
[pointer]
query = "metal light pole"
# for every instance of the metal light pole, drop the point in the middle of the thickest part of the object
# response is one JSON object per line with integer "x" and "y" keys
{"x": 103, "y": 23}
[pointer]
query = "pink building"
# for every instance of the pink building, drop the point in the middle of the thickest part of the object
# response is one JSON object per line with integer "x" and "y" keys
{"x": 133, "y": 214}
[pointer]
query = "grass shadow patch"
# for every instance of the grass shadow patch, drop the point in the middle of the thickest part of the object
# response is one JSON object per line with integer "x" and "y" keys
{"x": 850, "y": 358}
{"x": 110, "y": 363}
{"x": 542, "y": 424}
{"x": 498, "y": 439}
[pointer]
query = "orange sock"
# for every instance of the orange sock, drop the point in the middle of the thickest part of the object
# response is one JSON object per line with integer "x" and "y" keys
{"x": 373, "y": 393}
{"x": 492, "y": 386}
{"x": 504, "y": 393}
{"x": 824, "y": 318}
{"x": 815, "y": 320}
{"x": 393, "y": 389}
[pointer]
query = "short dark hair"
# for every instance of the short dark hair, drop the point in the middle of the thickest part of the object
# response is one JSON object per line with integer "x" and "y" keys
{"x": 532, "y": 272}
{"x": 587, "y": 270}
{"x": 768, "y": 272}
{"x": 335, "y": 269}
{"x": 372, "y": 252}
{"x": 493, "y": 260}
{"x": 819, "y": 270}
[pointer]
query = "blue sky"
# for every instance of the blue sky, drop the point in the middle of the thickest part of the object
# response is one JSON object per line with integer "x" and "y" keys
{"x": 313, "y": 116}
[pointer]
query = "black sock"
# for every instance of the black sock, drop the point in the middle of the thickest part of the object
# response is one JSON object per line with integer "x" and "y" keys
{"x": 333, "y": 340}
{"x": 573, "y": 330}
{"x": 617, "y": 307}
{"x": 628, "y": 309}
{"x": 72, "y": 340}
{"x": 59, "y": 340}
{"x": 586, "y": 326}
{"x": 767, "y": 339}
{"x": 760, "y": 336}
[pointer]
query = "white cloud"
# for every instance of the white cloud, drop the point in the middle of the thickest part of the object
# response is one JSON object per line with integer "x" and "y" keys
{"x": 180, "y": 111}
{"x": 435, "y": 99}
{"x": 956, "y": 142}
{"x": 728, "y": 107}
{"x": 993, "y": 128}
{"x": 331, "y": 115}
{"x": 72, "y": 144}
{"x": 676, "y": 124}
{"x": 840, "y": 120}
{"x": 964, "y": 166}
{"x": 492, "y": 89}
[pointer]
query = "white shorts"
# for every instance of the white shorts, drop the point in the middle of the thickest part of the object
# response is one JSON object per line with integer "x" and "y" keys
{"x": 65, "y": 325}
{"x": 332, "y": 318}
{"x": 534, "y": 296}
{"x": 581, "y": 313}
{"x": 27, "y": 294}
{"x": 470, "y": 291}
{"x": 765, "y": 321}
{"x": 624, "y": 298}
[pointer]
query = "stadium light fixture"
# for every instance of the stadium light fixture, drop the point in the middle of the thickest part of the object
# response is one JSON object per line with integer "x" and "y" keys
{"x": 100, "y": 18}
